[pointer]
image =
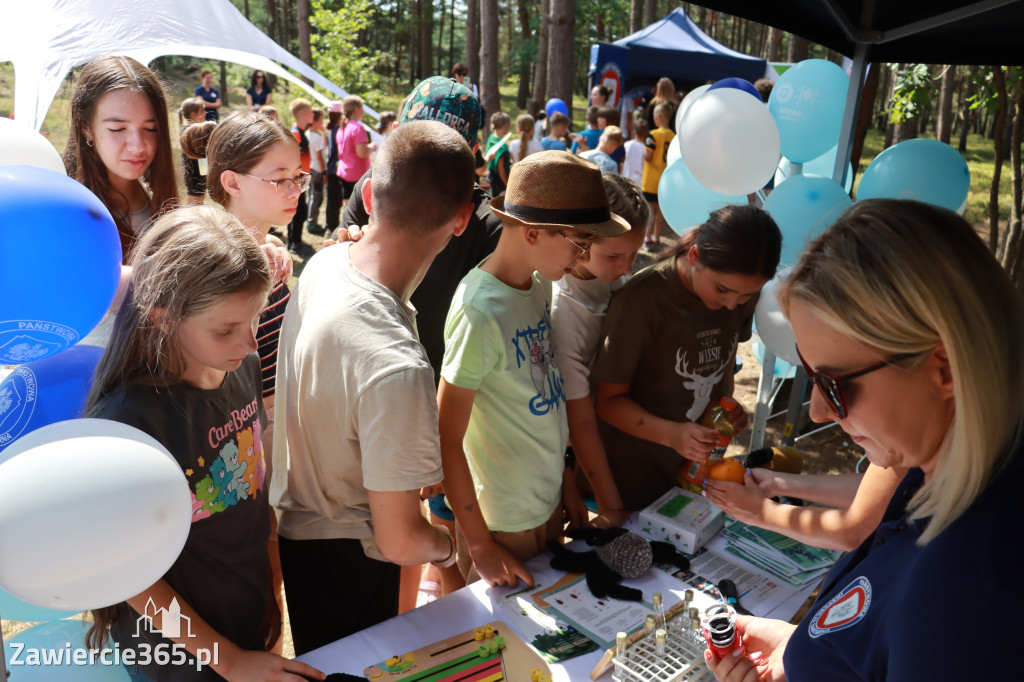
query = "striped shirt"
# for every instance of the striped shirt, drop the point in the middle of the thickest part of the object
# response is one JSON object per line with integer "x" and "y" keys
{"x": 268, "y": 334}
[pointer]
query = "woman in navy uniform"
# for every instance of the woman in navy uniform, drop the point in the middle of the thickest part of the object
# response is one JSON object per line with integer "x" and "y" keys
{"x": 914, "y": 338}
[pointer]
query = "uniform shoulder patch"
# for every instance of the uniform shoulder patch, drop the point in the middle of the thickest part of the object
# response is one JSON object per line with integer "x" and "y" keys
{"x": 844, "y": 610}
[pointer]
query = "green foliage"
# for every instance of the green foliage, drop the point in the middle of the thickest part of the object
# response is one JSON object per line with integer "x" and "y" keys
{"x": 912, "y": 92}
{"x": 337, "y": 51}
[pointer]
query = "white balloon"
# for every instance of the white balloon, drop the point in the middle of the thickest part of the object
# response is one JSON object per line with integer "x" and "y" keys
{"x": 675, "y": 152}
{"x": 19, "y": 144}
{"x": 730, "y": 141}
{"x": 91, "y": 512}
{"x": 690, "y": 98}
{"x": 772, "y": 325}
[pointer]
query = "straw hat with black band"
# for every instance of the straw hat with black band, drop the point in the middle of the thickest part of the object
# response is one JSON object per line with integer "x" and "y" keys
{"x": 556, "y": 190}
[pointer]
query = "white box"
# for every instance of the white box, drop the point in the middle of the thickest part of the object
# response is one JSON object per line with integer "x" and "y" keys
{"x": 682, "y": 518}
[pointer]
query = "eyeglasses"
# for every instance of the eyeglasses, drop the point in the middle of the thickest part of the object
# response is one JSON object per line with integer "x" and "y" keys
{"x": 287, "y": 185}
{"x": 583, "y": 247}
{"x": 831, "y": 387}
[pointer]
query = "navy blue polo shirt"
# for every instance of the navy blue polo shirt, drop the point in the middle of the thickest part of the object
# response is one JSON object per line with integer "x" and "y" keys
{"x": 211, "y": 95}
{"x": 892, "y": 610}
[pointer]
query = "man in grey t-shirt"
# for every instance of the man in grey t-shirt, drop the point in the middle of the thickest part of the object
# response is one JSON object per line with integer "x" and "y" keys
{"x": 355, "y": 393}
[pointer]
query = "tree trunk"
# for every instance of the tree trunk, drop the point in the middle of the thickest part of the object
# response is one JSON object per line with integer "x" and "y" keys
{"x": 224, "y": 84}
{"x": 798, "y": 49}
{"x": 426, "y": 60}
{"x": 272, "y": 31}
{"x": 302, "y": 11}
{"x": 451, "y": 37}
{"x": 1013, "y": 245}
{"x": 636, "y": 16}
{"x": 473, "y": 39}
{"x": 965, "y": 110}
{"x": 890, "y": 127}
{"x": 774, "y": 44}
{"x": 524, "y": 65}
{"x": 245, "y": 10}
{"x": 999, "y": 77}
{"x": 867, "y": 107}
{"x": 440, "y": 43}
{"x": 650, "y": 12}
{"x": 489, "y": 95}
{"x": 944, "y": 125}
{"x": 540, "y": 67}
{"x": 560, "y": 50}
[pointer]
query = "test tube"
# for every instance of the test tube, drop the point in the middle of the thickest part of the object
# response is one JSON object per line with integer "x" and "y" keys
{"x": 620, "y": 645}
{"x": 659, "y": 642}
{"x": 650, "y": 625}
{"x": 659, "y": 610}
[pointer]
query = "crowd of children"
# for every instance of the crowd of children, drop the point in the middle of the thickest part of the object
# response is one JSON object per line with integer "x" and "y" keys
{"x": 451, "y": 348}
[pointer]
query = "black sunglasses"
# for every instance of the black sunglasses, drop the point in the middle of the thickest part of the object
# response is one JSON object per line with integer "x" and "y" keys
{"x": 831, "y": 387}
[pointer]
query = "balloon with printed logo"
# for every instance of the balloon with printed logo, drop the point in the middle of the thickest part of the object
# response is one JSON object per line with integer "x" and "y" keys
{"x": 20, "y": 145}
{"x": 57, "y": 651}
{"x": 50, "y": 524}
{"x": 554, "y": 104}
{"x": 807, "y": 103}
{"x": 46, "y": 391}
{"x": 685, "y": 202}
{"x": 772, "y": 326}
{"x": 737, "y": 84}
{"x": 802, "y": 207}
{"x": 53, "y": 290}
{"x": 824, "y": 166}
{"x": 729, "y": 142}
{"x": 921, "y": 169}
{"x": 690, "y": 98}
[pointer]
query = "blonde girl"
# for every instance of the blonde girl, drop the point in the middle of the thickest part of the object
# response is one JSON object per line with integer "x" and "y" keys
{"x": 181, "y": 367}
{"x": 579, "y": 303}
{"x": 524, "y": 145}
{"x": 119, "y": 143}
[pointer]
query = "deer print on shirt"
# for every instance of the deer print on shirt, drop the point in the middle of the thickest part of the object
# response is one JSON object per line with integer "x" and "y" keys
{"x": 702, "y": 385}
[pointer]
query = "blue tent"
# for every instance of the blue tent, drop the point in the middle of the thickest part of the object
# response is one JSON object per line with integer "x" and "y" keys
{"x": 673, "y": 47}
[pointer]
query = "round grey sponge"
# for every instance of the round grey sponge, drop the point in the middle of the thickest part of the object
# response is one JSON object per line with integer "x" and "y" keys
{"x": 629, "y": 555}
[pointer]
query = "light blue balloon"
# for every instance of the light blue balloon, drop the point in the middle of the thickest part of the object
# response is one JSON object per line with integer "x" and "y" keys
{"x": 61, "y": 262}
{"x": 807, "y": 103}
{"x": 921, "y": 169}
{"x": 685, "y": 202}
{"x": 12, "y": 608}
{"x": 46, "y": 391}
{"x": 51, "y": 640}
{"x": 802, "y": 207}
{"x": 824, "y": 166}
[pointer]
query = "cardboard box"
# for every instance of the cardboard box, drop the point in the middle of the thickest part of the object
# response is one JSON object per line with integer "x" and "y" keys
{"x": 683, "y": 519}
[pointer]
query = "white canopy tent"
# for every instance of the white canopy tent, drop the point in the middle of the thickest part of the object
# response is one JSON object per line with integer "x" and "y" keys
{"x": 45, "y": 39}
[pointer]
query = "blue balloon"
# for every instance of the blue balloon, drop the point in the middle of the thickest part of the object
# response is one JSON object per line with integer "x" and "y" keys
{"x": 824, "y": 166}
{"x": 739, "y": 84}
{"x": 921, "y": 169}
{"x": 685, "y": 202}
{"x": 802, "y": 207}
{"x": 554, "y": 104}
{"x": 61, "y": 263}
{"x": 45, "y": 643}
{"x": 46, "y": 391}
{"x": 12, "y": 608}
{"x": 807, "y": 103}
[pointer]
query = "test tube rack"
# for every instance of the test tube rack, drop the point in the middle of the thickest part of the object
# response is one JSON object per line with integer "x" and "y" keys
{"x": 683, "y": 660}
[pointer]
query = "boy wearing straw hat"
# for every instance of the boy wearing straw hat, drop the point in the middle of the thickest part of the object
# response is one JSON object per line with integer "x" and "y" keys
{"x": 500, "y": 401}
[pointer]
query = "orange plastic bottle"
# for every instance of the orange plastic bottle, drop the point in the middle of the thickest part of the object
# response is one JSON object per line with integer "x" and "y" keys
{"x": 716, "y": 417}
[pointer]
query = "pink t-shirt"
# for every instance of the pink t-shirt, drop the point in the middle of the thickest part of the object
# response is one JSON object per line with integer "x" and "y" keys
{"x": 350, "y": 166}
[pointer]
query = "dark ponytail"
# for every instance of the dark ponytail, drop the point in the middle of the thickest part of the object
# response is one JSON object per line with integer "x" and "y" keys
{"x": 742, "y": 240}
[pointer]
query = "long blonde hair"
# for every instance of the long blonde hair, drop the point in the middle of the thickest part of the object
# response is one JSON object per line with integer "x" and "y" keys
{"x": 524, "y": 123}
{"x": 190, "y": 259}
{"x": 901, "y": 276}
